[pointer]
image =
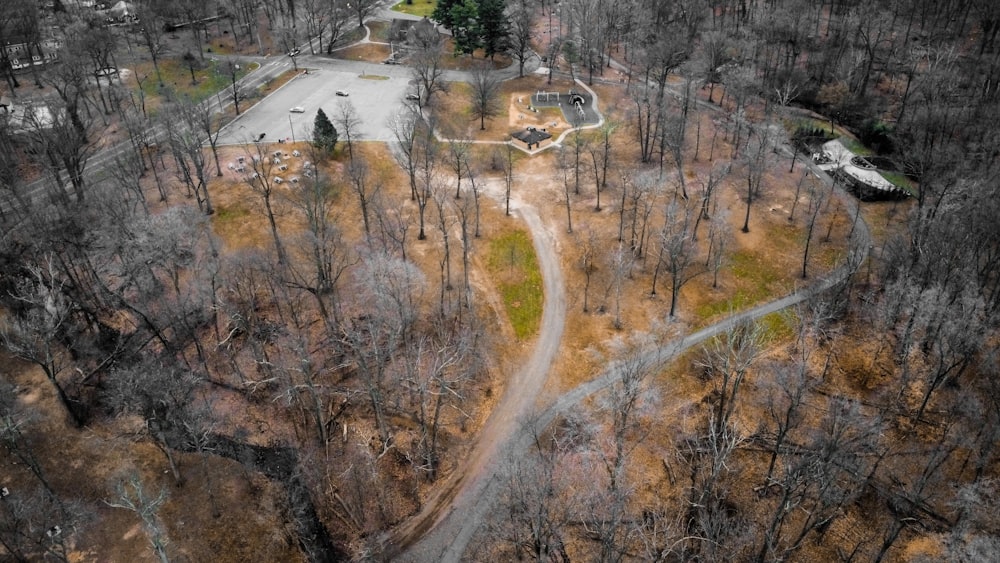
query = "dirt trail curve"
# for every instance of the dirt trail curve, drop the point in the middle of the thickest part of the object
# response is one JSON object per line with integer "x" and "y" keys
{"x": 445, "y": 512}
{"x": 452, "y": 516}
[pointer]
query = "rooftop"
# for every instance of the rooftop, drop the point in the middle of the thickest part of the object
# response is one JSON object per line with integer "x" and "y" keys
{"x": 531, "y": 136}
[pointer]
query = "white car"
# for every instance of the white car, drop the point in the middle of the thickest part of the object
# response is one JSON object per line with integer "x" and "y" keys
{"x": 297, "y": 109}
{"x": 341, "y": 93}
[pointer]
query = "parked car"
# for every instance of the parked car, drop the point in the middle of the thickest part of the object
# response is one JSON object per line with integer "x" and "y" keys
{"x": 413, "y": 97}
{"x": 341, "y": 93}
{"x": 298, "y": 109}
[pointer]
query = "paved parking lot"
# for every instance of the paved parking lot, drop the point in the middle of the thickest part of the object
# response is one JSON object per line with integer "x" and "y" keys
{"x": 375, "y": 100}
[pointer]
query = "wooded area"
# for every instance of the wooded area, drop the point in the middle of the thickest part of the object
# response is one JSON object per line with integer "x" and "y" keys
{"x": 272, "y": 351}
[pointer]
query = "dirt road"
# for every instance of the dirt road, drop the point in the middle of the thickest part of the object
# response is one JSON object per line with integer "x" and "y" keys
{"x": 446, "y": 514}
{"x": 444, "y": 529}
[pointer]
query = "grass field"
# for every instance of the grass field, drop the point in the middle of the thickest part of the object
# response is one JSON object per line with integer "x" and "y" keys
{"x": 419, "y": 8}
{"x": 177, "y": 79}
{"x": 756, "y": 279}
{"x": 512, "y": 264}
{"x": 900, "y": 180}
{"x": 856, "y": 147}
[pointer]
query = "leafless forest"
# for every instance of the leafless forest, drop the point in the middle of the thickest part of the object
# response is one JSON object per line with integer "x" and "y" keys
{"x": 200, "y": 361}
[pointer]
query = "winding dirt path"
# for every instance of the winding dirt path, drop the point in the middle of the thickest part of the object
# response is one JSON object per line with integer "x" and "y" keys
{"x": 441, "y": 530}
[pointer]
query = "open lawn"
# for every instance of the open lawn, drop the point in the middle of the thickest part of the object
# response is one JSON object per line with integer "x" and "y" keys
{"x": 855, "y": 146}
{"x": 379, "y": 31}
{"x": 369, "y": 52}
{"x": 176, "y": 75}
{"x": 900, "y": 180}
{"x": 421, "y": 8}
{"x": 513, "y": 266}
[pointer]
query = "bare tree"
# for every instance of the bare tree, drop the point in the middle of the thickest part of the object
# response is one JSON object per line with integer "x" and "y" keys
{"x": 445, "y": 223}
{"x": 348, "y": 122}
{"x": 726, "y": 360}
{"x": 436, "y": 370}
{"x": 372, "y": 339}
{"x": 188, "y": 152}
{"x": 260, "y": 176}
{"x": 756, "y": 161}
{"x": 364, "y": 9}
{"x": 458, "y": 159}
{"x": 405, "y": 128}
{"x": 426, "y": 157}
{"x": 427, "y": 70}
{"x": 162, "y": 396}
{"x": 485, "y": 93}
{"x": 563, "y": 169}
{"x": 817, "y": 200}
{"x": 329, "y": 255}
{"x": 338, "y": 24}
{"x": 522, "y": 28}
{"x": 34, "y": 335}
{"x": 131, "y": 495}
{"x": 538, "y": 502}
{"x": 677, "y": 249}
{"x": 504, "y": 156}
{"x": 602, "y": 156}
{"x": 715, "y": 178}
{"x": 619, "y": 263}
{"x": 366, "y": 187}
{"x": 232, "y": 68}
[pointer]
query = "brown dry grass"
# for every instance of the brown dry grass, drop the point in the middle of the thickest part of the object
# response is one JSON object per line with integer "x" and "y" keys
{"x": 83, "y": 465}
{"x": 369, "y": 52}
{"x": 773, "y": 245}
{"x": 514, "y": 99}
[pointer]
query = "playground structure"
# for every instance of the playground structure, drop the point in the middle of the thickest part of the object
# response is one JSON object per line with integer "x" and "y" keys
{"x": 577, "y": 107}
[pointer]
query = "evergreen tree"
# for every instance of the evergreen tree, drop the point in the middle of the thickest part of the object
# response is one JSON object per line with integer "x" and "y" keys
{"x": 465, "y": 27}
{"x": 494, "y": 27}
{"x": 324, "y": 133}
{"x": 442, "y": 12}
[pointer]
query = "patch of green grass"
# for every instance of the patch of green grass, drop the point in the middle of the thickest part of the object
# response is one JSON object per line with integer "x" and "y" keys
{"x": 900, "y": 180}
{"x": 177, "y": 79}
{"x": 856, "y": 147}
{"x": 230, "y": 214}
{"x": 779, "y": 326}
{"x": 792, "y": 125}
{"x": 757, "y": 279}
{"x": 352, "y": 36}
{"x": 379, "y": 31}
{"x": 512, "y": 263}
{"x": 418, "y": 8}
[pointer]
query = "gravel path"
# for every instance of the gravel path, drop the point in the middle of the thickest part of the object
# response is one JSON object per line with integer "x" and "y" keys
{"x": 442, "y": 529}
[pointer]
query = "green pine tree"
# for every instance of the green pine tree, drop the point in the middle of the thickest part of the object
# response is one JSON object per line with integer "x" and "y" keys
{"x": 324, "y": 133}
{"x": 442, "y": 12}
{"x": 494, "y": 27}
{"x": 465, "y": 27}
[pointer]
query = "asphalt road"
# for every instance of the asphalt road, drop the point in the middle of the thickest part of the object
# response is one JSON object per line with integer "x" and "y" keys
{"x": 376, "y": 91}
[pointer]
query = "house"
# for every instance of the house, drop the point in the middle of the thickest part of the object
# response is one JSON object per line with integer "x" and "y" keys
{"x": 408, "y": 35}
{"x": 23, "y": 55}
{"x": 532, "y": 137}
